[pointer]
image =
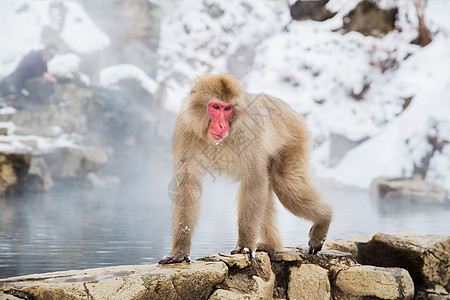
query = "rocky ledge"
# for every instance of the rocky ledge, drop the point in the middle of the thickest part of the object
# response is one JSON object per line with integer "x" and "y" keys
{"x": 403, "y": 266}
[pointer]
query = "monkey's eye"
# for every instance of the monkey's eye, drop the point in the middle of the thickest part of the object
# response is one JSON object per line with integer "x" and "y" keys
{"x": 216, "y": 106}
{"x": 228, "y": 108}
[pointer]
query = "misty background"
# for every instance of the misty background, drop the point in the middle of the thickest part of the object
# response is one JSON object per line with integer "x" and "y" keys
{"x": 96, "y": 192}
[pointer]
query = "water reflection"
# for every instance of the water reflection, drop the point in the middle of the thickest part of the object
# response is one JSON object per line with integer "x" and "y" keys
{"x": 77, "y": 228}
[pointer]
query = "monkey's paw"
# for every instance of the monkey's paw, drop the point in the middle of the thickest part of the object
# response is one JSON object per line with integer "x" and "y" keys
{"x": 240, "y": 250}
{"x": 315, "y": 246}
{"x": 172, "y": 260}
{"x": 269, "y": 251}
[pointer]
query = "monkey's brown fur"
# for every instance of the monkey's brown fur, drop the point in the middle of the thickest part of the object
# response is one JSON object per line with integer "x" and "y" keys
{"x": 267, "y": 149}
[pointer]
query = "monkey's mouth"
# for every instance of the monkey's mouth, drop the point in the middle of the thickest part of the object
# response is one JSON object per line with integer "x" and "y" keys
{"x": 217, "y": 136}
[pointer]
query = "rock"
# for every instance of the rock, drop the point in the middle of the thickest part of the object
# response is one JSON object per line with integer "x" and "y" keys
{"x": 9, "y": 297}
{"x": 311, "y": 9}
{"x": 228, "y": 295}
{"x": 69, "y": 114}
{"x": 180, "y": 281}
{"x": 294, "y": 274}
{"x": 239, "y": 261}
{"x": 368, "y": 19}
{"x": 413, "y": 189}
{"x": 425, "y": 257}
{"x": 294, "y": 257}
{"x": 39, "y": 177}
{"x": 70, "y": 162}
{"x": 13, "y": 170}
{"x": 354, "y": 246}
{"x": 309, "y": 282}
{"x": 426, "y": 240}
{"x": 255, "y": 279}
{"x": 324, "y": 258}
{"x": 6, "y": 113}
{"x": 370, "y": 281}
{"x": 438, "y": 293}
{"x": 96, "y": 180}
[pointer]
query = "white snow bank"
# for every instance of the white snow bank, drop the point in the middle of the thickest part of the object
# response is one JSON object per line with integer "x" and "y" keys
{"x": 64, "y": 65}
{"x": 404, "y": 142}
{"x": 110, "y": 76}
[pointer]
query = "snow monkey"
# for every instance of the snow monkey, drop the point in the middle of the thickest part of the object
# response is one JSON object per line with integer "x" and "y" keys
{"x": 256, "y": 139}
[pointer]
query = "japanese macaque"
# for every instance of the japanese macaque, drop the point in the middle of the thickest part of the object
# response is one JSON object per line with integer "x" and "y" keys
{"x": 258, "y": 140}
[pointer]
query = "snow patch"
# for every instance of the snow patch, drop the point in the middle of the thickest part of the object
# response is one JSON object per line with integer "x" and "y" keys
{"x": 110, "y": 76}
{"x": 64, "y": 65}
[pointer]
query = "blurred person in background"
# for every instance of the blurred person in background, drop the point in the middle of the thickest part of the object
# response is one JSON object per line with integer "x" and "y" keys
{"x": 31, "y": 80}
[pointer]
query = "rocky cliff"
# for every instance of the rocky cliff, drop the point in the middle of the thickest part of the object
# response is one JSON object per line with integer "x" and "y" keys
{"x": 404, "y": 266}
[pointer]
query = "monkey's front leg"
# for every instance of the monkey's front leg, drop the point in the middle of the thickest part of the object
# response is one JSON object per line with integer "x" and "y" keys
{"x": 252, "y": 201}
{"x": 186, "y": 208}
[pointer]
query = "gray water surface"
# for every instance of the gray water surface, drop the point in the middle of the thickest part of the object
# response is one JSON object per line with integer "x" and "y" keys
{"x": 77, "y": 228}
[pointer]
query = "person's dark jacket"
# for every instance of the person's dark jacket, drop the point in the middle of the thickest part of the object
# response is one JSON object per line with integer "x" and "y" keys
{"x": 32, "y": 65}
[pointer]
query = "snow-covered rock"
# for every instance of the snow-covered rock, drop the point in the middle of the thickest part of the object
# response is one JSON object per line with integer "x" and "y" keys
{"x": 64, "y": 65}
{"x": 111, "y": 76}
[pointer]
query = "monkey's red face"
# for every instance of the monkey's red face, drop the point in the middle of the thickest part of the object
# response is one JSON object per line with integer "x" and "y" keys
{"x": 220, "y": 113}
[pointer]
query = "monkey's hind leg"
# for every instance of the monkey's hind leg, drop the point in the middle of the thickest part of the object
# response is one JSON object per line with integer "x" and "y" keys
{"x": 298, "y": 196}
{"x": 253, "y": 198}
{"x": 270, "y": 237}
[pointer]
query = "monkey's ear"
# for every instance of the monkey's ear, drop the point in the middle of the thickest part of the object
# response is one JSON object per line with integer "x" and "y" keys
{"x": 193, "y": 91}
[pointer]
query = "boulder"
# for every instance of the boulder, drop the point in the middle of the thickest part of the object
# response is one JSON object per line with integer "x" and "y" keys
{"x": 369, "y": 281}
{"x": 413, "y": 189}
{"x": 425, "y": 257}
{"x": 311, "y": 10}
{"x": 294, "y": 274}
{"x": 13, "y": 170}
{"x": 6, "y": 112}
{"x": 354, "y": 246}
{"x": 368, "y": 19}
{"x": 229, "y": 295}
{"x": 69, "y": 114}
{"x": 288, "y": 265}
{"x": 232, "y": 261}
{"x": 97, "y": 180}
{"x": 250, "y": 279}
{"x": 180, "y": 281}
{"x": 309, "y": 281}
{"x": 71, "y": 162}
{"x": 39, "y": 178}
{"x": 324, "y": 258}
